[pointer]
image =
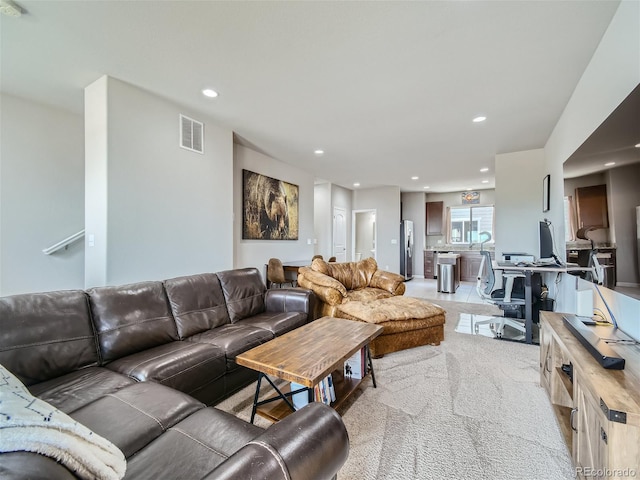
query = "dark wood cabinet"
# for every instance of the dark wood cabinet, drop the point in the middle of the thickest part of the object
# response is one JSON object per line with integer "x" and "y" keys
{"x": 429, "y": 264}
{"x": 435, "y": 218}
{"x": 591, "y": 204}
{"x": 470, "y": 265}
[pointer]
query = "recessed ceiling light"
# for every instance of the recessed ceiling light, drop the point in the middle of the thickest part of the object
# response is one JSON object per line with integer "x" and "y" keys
{"x": 609, "y": 164}
{"x": 356, "y": 184}
{"x": 484, "y": 169}
{"x": 319, "y": 152}
{"x": 485, "y": 181}
{"x": 637, "y": 145}
{"x": 479, "y": 118}
{"x": 208, "y": 92}
{"x": 9, "y": 8}
{"x": 468, "y": 189}
{"x": 414, "y": 178}
{"x": 426, "y": 187}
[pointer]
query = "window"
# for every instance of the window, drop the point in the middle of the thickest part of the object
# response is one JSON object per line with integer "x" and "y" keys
{"x": 466, "y": 223}
{"x": 569, "y": 220}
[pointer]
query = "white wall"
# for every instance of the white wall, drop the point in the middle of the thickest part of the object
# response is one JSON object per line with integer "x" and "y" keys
{"x": 519, "y": 178}
{"x": 386, "y": 201}
{"x": 256, "y": 253}
{"x": 414, "y": 208}
{"x": 612, "y": 73}
{"x": 168, "y": 210}
{"x": 41, "y": 196}
{"x": 322, "y": 215}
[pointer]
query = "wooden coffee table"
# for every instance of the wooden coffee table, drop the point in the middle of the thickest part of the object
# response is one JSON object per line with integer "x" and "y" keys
{"x": 306, "y": 356}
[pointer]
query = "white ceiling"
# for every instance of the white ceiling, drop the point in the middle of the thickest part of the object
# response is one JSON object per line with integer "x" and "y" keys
{"x": 388, "y": 88}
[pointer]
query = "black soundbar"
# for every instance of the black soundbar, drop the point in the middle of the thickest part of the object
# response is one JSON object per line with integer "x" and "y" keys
{"x": 602, "y": 352}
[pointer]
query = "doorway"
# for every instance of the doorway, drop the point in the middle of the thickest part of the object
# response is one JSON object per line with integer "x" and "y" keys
{"x": 364, "y": 234}
{"x": 339, "y": 234}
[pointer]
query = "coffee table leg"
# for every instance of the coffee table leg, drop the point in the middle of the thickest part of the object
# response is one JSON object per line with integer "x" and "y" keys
{"x": 373, "y": 374}
{"x": 255, "y": 397}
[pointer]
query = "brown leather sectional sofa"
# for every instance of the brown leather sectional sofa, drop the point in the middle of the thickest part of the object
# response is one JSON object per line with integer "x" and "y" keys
{"x": 138, "y": 364}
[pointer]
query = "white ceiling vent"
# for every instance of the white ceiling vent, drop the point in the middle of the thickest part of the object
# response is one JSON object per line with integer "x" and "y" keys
{"x": 191, "y": 134}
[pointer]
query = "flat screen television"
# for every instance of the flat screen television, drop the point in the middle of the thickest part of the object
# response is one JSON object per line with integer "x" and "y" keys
{"x": 546, "y": 243}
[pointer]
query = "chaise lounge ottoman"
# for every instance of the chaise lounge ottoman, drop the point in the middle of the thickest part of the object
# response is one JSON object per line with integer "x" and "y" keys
{"x": 408, "y": 322}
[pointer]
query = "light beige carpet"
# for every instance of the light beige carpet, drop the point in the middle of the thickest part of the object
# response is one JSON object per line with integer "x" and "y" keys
{"x": 471, "y": 408}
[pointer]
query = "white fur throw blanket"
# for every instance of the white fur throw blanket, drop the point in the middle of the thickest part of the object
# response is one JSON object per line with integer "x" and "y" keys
{"x": 30, "y": 424}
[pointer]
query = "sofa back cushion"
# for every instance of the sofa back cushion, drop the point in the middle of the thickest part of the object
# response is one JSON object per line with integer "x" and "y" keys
{"x": 46, "y": 335}
{"x": 131, "y": 318}
{"x": 197, "y": 303}
{"x": 353, "y": 275}
{"x": 243, "y": 291}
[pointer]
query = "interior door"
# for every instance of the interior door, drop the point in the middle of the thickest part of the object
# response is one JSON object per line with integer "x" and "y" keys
{"x": 340, "y": 234}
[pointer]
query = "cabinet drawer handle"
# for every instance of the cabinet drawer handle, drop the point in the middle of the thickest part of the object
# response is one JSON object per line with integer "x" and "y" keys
{"x": 573, "y": 412}
{"x": 546, "y": 365}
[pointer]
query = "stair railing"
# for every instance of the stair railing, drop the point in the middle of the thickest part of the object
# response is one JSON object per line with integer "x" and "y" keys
{"x": 63, "y": 243}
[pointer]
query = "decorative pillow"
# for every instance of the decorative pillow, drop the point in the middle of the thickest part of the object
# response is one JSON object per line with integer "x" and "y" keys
{"x": 30, "y": 424}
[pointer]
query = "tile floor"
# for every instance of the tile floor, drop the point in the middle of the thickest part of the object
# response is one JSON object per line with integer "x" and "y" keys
{"x": 421, "y": 287}
{"x": 468, "y": 323}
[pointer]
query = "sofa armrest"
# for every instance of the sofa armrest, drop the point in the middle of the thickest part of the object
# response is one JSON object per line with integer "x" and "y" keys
{"x": 310, "y": 444}
{"x": 289, "y": 300}
{"x": 391, "y": 282}
{"x": 327, "y": 288}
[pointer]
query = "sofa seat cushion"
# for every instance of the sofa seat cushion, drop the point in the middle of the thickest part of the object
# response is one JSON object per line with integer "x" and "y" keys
{"x": 30, "y": 424}
{"x": 277, "y": 323}
{"x": 366, "y": 295}
{"x": 136, "y": 415}
{"x": 234, "y": 339}
{"x": 395, "y": 313}
{"x": 185, "y": 366}
{"x": 195, "y": 445}
{"x": 76, "y": 389}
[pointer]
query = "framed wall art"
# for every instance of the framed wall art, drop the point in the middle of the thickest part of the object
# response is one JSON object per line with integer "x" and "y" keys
{"x": 470, "y": 198}
{"x": 269, "y": 208}
{"x": 545, "y": 193}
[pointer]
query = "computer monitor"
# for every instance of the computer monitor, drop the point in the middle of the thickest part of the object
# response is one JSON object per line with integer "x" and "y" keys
{"x": 546, "y": 242}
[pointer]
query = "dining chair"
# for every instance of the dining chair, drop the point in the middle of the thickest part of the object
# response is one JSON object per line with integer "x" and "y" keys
{"x": 275, "y": 273}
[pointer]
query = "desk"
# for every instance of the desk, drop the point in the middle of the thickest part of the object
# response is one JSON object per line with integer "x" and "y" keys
{"x": 290, "y": 266}
{"x": 294, "y": 265}
{"x": 528, "y": 296}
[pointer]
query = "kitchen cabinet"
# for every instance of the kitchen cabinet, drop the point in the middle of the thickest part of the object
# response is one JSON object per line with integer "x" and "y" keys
{"x": 429, "y": 264}
{"x": 435, "y": 218}
{"x": 591, "y": 205}
{"x": 469, "y": 266}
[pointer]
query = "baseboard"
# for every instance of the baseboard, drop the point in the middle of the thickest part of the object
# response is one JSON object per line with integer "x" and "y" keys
{"x": 627, "y": 284}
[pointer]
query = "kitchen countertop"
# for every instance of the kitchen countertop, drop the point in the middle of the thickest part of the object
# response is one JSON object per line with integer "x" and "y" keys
{"x": 458, "y": 248}
{"x": 587, "y": 246}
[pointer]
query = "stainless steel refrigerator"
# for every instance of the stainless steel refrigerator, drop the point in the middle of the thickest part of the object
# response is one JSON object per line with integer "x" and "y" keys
{"x": 406, "y": 249}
